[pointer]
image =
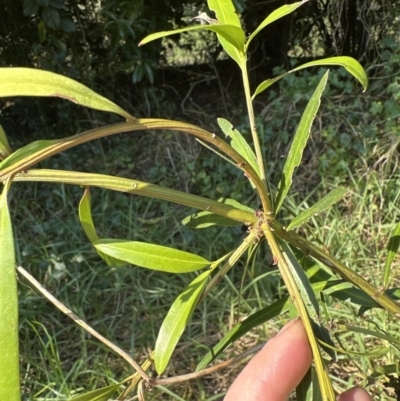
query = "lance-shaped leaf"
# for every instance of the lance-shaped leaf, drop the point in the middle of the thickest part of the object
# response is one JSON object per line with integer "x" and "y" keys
{"x": 226, "y": 14}
{"x": 392, "y": 249}
{"x": 35, "y": 82}
{"x": 85, "y": 217}
{"x": 350, "y": 64}
{"x": 150, "y": 256}
{"x": 263, "y": 315}
{"x": 5, "y": 149}
{"x": 275, "y": 15}
{"x": 323, "y": 204}
{"x": 100, "y": 394}
{"x": 176, "y": 320}
{"x": 26, "y": 151}
{"x": 299, "y": 142}
{"x": 207, "y": 219}
{"x": 232, "y": 35}
{"x": 9, "y": 356}
{"x": 239, "y": 143}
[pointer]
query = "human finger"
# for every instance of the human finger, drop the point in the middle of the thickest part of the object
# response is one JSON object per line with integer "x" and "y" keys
{"x": 355, "y": 394}
{"x": 277, "y": 369}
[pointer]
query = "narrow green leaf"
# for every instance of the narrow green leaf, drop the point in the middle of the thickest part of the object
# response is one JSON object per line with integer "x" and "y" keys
{"x": 176, "y": 320}
{"x": 9, "y": 354}
{"x": 263, "y": 315}
{"x": 5, "y": 149}
{"x": 323, "y": 204}
{"x": 302, "y": 282}
{"x": 27, "y": 151}
{"x": 239, "y": 143}
{"x": 34, "y": 82}
{"x": 392, "y": 249}
{"x": 85, "y": 216}
{"x": 275, "y": 15}
{"x": 304, "y": 391}
{"x": 150, "y": 256}
{"x": 207, "y": 219}
{"x": 350, "y": 64}
{"x": 299, "y": 142}
{"x": 232, "y": 36}
{"x": 100, "y": 394}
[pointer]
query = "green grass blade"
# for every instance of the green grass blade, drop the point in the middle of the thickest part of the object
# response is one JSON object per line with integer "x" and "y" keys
{"x": 150, "y": 256}
{"x": 231, "y": 37}
{"x": 392, "y": 249}
{"x": 239, "y": 143}
{"x": 275, "y": 15}
{"x": 322, "y": 205}
{"x": 34, "y": 82}
{"x": 176, "y": 320}
{"x": 100, "y": 394}
{"x": 299, "y": 142}
{"x": 350, "y": 64}
{"x": 5, "y": 149}
{"x": 9, "y": 353}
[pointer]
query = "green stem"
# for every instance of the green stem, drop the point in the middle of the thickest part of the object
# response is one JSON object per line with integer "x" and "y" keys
{"x": 265, "y": 194}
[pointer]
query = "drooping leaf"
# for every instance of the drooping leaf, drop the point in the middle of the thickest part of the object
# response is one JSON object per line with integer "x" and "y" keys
{"x": 299, "y": 142}
{"x": 275, "y": 15}
{"x": 392, "y": 249}
{"x": 232, "y": 38}
{"x": 351, "y": 65}
{"x": 207, "y": 219}
{"x": 30, "y": 7}
{"x": 176, "y": 320}
{"x": 9, "y": 354}
{"x": 35, "y": 82}
{"x": 85, "y": 217}
{"x": 150, "y": 256}
{"x": 239, "y": 143}
{"x": 321, "y": 206}
{"x": 5, "y": 148}
{"x": 100, "y": 394}
{"x": 26, "y": 151}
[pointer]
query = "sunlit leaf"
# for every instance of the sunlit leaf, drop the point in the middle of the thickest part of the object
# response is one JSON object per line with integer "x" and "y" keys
{"x": 233, "y": 37}
{"x": 5, "y": 149}
{"x": 35, "y": 82}
{"x": 176, "y": 320}
{"x": 275, "y": 15}
{"x": 322, "y": 205}
{"x": 9, "y": 354}
{"x": 299, "y": 142}
{"x": 239, "y": 143}
{"x": 226, "y": 15}
{"x": 350, "y": 64}
{"x": 392, "y": 249}
{"x": 150, "y": 256}
{"x": 100, "y": 394}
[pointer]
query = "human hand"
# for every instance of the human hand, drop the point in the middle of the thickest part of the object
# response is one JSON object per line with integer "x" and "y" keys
{"x": 279, "y": 367}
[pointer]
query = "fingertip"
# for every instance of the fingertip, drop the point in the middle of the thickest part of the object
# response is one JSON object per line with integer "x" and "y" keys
{"x": 355, "y": 394}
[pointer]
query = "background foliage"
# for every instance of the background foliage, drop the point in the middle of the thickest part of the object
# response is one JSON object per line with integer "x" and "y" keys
{"x": 356, "y": 143}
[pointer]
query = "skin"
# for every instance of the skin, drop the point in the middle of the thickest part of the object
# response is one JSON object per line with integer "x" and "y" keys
{"x": 278, "y": 368}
